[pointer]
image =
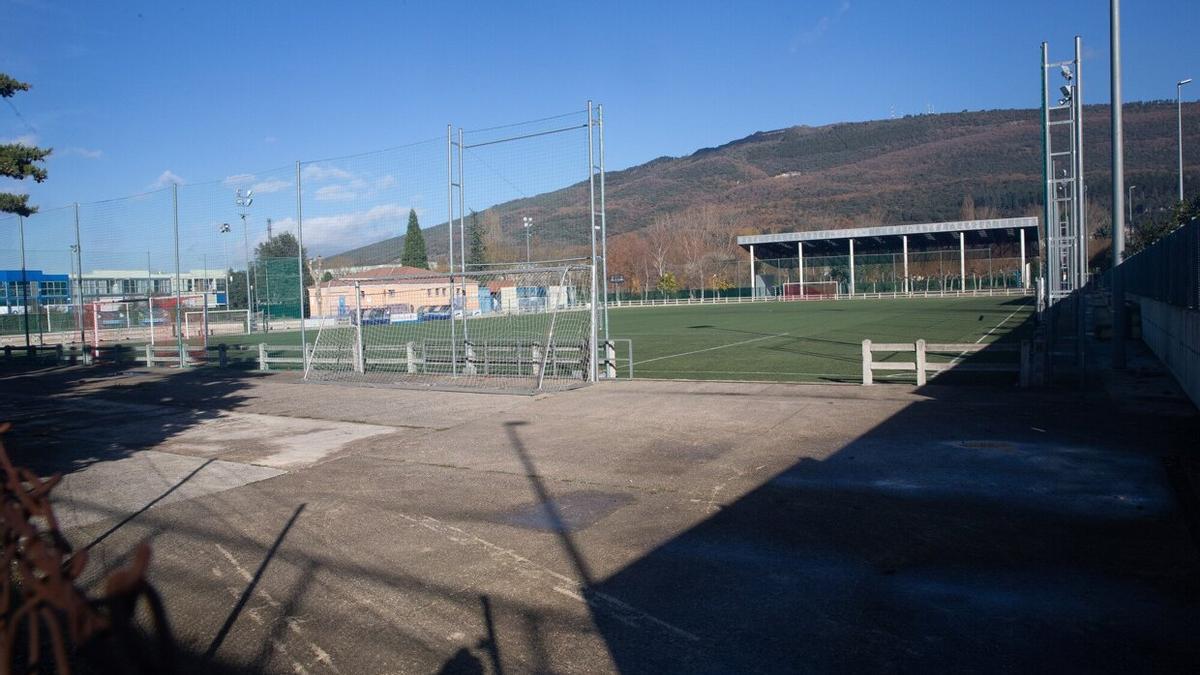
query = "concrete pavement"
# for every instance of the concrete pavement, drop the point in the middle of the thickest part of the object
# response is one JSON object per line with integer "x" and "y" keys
{"x": 632, "y": 527}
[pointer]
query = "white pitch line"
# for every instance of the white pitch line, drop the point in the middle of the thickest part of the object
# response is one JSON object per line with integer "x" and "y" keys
{"x": 1002, "y": 322}
{"x": 709, "y": 349}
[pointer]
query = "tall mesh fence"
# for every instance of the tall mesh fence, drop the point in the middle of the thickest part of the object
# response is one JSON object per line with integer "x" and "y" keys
{"x": 238, "y": 262}
{"x": 510, "y": 330}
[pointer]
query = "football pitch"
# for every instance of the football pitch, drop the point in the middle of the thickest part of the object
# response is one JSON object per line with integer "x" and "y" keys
{"x": 785, "y": 341}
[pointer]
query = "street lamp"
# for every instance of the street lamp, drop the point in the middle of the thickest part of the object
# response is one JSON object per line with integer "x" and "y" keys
{"x": 225, "y": 229}
{"x": 1179, "y": 118}
{"x": 527, "y": 222}
{"x": 243, "y": 202}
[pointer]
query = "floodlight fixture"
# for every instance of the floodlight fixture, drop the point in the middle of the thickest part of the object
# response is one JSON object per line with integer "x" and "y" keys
{"x": 1183, "y": 82}
{"x": 1066, "y": 92}
{"x": 1066, "y": 72}
{"x": 224, "y": 228}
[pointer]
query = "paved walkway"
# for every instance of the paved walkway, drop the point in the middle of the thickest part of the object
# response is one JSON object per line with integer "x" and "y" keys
{"x": 633, "y": 527}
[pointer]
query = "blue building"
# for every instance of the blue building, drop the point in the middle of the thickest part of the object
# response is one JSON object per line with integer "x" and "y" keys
{"x": 44, "y": 289}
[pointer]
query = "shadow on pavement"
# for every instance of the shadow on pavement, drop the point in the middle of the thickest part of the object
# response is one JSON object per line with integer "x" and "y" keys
{"x": 972, "y": 531}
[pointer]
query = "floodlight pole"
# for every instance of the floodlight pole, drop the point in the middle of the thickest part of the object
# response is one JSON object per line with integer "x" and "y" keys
{"x": 178, "y": 281}
{"x": 592, "y": 370}
{"x": 300, "y": 265}
{"x": 1118, "y": 180}
{"x": 1049, "y": 220}
{"x": 604, "y": 228}
{"x": 1080, "y": 188}
{"x": 24, "y": 284}
{"x": 78, "y": 250}
{"x": 450, "y": 230}
{"x": 1179, "y": 120}
{"x": 527, "y": 223}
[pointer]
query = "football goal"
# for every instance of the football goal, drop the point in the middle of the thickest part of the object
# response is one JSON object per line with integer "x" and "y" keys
{"x": 810, "y": 289}
{"x": 520, "y": 330}
{"x": 199, "y": 323}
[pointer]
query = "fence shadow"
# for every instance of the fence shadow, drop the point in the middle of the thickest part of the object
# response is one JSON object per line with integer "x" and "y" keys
{"x": 954, "y": 536}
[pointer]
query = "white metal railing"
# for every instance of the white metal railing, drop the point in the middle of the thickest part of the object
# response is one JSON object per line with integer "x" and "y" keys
{"x": 922, "y": 364}
{"x": 676, "y": 302}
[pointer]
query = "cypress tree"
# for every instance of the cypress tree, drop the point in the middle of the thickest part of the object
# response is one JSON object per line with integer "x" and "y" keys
{"x": 414, "y": 254}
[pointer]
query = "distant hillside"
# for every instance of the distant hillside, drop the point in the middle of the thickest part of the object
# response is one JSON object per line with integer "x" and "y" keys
{"x": 914, "y": 169}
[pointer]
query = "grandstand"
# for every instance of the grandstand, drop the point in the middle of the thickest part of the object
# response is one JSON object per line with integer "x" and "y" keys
{"x": 940, "y": 257}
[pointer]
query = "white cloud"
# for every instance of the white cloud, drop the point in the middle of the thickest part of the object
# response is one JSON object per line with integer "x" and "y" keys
{"x": 818, "y": 30}
{"x": 238, "y": 179}
{"x": 318, "y": 172}
{"x": 251, "y": 181}
{"x": 355, "y": 188}
{"x": 86, "y": 153}
{"x": 327, "y": 235}
{"x": 23, "y": 139}
{"x": 337, "y": 192}
{"x": 270, "y": 139}
{"x": 165, "y": 179}
{"x": 270, "y": 185}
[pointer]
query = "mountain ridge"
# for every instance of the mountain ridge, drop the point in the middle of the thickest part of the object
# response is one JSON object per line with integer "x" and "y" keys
{"x": 919, "y": 168}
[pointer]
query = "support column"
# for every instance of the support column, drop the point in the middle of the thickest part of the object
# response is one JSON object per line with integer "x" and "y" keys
{"x": 962, "y": 261}
{"x": 904, "y": 240}
{"x": 851, "y": 268}
{"x": 800, "y": 258}
{"x": 1024, "y": 276}
{"x": 753, "y": 289}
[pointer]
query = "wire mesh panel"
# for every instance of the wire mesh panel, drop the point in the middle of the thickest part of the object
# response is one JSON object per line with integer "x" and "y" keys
{"x": 127, "y": 258}
{"x": 519, "y": 330}
{"x": 37, "y": 275}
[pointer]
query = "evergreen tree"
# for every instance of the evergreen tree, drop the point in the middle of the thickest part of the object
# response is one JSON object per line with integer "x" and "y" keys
{"x": 17, "y": 160}
{"x": 414, "y": 254}
{"x": 477, "y": 253}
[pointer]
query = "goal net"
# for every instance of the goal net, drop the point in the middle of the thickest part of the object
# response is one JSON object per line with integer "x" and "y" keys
{"x": 810, "y": 289}
{"x": 519, "y": 330}
{"x": 198, "y": 323}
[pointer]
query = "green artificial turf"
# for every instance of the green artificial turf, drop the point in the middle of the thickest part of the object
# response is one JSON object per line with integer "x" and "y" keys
{"x": 769, "y": 341}
{"x": 805, "y": 341}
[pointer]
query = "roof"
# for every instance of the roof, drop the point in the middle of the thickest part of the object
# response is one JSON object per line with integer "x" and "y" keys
{"x": 389, "y": 272}
{"x": 885, "y": 237}
{"x": 31, "y": 275}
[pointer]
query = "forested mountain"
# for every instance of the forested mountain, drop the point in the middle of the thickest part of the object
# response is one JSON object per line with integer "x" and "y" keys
{"x": 916, "y": 169}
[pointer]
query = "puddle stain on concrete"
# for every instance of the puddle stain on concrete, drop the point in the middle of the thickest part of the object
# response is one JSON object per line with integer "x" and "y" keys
{"x": 574, "y": 510}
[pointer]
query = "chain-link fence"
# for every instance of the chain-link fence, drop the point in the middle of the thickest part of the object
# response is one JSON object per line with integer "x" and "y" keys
{"x": 167, "y": 271}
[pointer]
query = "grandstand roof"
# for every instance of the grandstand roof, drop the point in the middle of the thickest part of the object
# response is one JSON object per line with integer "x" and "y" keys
{"x": 886, "y": 238}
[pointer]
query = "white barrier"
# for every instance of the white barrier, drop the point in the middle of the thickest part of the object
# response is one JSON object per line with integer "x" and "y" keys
{"x": 922, "y": 365}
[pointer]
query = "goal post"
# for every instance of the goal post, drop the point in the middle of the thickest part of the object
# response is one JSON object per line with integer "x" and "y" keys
{"x": 797, "y": 290}
{"x": 198, "y": 323}
{"x": 514, "y": 330}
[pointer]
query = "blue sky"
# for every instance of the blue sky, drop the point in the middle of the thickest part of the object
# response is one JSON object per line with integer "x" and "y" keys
{"x": 132, "y": 94}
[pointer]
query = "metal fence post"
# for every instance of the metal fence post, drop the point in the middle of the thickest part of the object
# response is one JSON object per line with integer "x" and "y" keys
{"x": 360, "y": 361}
{"x": 300, "y": 265}
{"x": 178, "y": 280}
{"x": 262, "y": 357}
